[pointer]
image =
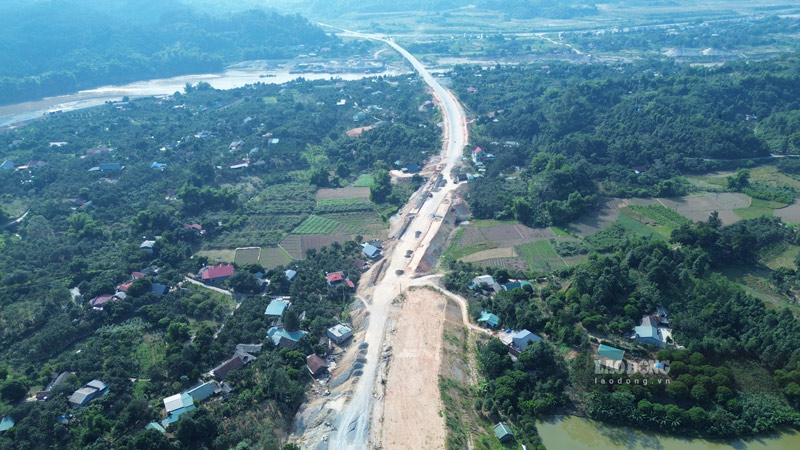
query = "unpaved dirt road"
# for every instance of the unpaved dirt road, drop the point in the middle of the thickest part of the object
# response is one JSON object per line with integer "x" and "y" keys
{"x": 411, "y": 396}
{"x": 352, "y": 426}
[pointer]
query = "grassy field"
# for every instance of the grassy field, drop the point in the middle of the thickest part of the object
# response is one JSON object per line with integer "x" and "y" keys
{"x": 337, "y": 205}
{"x": 759, "y": 208}
{"x": 540, "y": 255}
{"x": 152, "y": 350}
{"x": 272, "y": 257}
{"x": 636, "y": 227}
{"x": 365, "y": 180}
{"x": 560, "y": 232}
{"x": 781, "y": 254}
{"x": 215, "y": 256}
{"x": 248, "y": 255}
{"x": 316, "y": 225}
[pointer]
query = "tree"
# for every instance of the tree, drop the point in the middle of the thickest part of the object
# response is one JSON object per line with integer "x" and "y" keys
{"x": 139, "y": 287}
{"x": 13, "y": 391}
{"x": 381, "y": 186}
{"x": 151, "y": 440}
{"x": 244, "y": 281}
{"x": 290, "y": 320}
{"x": 320, "y": 177}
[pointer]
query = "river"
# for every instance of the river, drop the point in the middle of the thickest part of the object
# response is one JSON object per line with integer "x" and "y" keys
{"x": 233, "y": 77}
{"x": 577, "y": 433}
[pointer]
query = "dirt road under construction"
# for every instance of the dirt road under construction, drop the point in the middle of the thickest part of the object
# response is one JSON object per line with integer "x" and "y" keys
{"x": 352, "y": 414}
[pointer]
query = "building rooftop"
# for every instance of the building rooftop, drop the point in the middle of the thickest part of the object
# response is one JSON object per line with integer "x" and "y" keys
{"x": 610, "y": 352}
{"x": 489, "y": 318}
{"x": 277, "y": 307}
{"x": 340, "y": 330}
{"x": 219, "y": 271}
{"x": 276, "y": 334}
{"x": 178, "y": 401}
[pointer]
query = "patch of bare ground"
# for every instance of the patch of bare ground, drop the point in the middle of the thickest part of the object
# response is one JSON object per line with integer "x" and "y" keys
{"x": 412, "y": 409}
{"x": 458, "y": 381}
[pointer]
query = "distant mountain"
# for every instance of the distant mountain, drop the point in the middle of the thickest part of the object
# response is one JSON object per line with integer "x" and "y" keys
{"x": 54, "y": 47}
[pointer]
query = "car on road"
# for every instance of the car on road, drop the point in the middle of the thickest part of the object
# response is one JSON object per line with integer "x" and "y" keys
{"x": 409, "y": 253}
{"x": 399, "y": 272}
{"x": 417, "y": 234}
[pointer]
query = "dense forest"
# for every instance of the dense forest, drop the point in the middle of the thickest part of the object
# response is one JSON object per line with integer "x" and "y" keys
{"x": 61, "y": 47}
{"x": 575, "y": 132}
{"x": 84, "y": 228}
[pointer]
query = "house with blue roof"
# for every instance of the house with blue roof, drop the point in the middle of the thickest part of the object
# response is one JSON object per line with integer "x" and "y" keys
{"x": 158, "y": 165}
{"x": 371, "y": 251}
{"x": 7, "y": 423}
{"x": 155, "y": 426}
{"x": 488, "y": 319}
{"x": 177, "y": 405}
{"x": 285, "y": 339}
{"x": 516, "y": 284}
{"x": 277, "y": 307}
{"x": 203, "y": 391}
{"x": 521, "y": 339}
{"x": 647, "y": 333}
{"x": 7, "y": 165}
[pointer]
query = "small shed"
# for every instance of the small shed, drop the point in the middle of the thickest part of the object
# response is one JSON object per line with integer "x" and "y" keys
{"x": 316, "y": 365}
{"x": 488, "y": 319}
{"x": 503, "y": 432}
{"x": 609, "y": 352}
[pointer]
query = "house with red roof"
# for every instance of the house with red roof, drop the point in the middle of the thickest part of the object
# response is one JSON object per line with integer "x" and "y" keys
{"x": 98, "y": 302}
{"x": 217, "y": 274}
{"x": 335, "y": 278}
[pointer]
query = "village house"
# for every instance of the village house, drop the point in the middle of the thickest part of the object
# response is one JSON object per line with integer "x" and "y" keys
{"x": 158, "y": 165}
{"x": 488, "y": 319}
{"x": 370, "y": 251}
{"x": 87, "y": 393}
{"x": 521, "y": 339}
{"x": 316, "y": 365}
{"x": 610, "y": 353}
{"x": 241, "y": 164}
{"x": 290, "y": 274}
{"x": 216, "y": 274}
{"x": 147, "y": 246}
{"x": 276, "y": 308}
{"x": 175, "y": 406}
{"x": 239, "y": 360}
{"x": 285, "y": 339}
{"x": 107, "y": 167}
{"x": 236, "y": 145}
{"x": 486, "y": 281}
{"x": 361, "y": 265}
{"x": 335, "y": 279}
{"x": 43, "y": 395}
{"x": 340, "y": 333}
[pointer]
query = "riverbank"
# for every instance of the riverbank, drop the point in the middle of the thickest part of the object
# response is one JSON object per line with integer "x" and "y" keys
{"x": 234, "y": 76}
{"x": 576, "y": 433}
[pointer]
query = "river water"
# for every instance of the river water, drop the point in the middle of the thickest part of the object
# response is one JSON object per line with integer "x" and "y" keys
{"x": 233, "y": 77}
{"x": 577, "y": 433}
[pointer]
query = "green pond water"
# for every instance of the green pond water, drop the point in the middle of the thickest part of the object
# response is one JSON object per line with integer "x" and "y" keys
{"x": 576, "y": 433}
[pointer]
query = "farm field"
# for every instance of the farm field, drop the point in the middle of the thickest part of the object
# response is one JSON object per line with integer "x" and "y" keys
{"x": 296, "y": 245}
{"x": 272, "y": 257}
{"x": 541, "y": 256}
{"x": 247, "y": 255}
{"x": 364, "y": 181}
{"x": 759, "y": 208}
{"x": 339, "y": 205}
{"x": 699, "y": 206}
{"x": 779, "y": 255}
{"x": 217, "y": 256}
{"x": 350, "y": 192}
{"x": 316, "y": 225}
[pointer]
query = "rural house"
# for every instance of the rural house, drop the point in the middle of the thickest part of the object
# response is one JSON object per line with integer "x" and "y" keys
{"x": 239, "y": 360}
{"x": 521, "y": 339}
{"x": 87, "y": 393}
{"x": 612, "y": 353}
{"x": 176, "y": 405}
{"x": 370, "y": 251}
{"x": 335, "y": 279}
{"x": 290, "y": 274}
{"x": 316, "y": 365}
{"x": 216, "y": 274}
{"x": 340, "y": 333}
{"x": 488, "y": 319}
{"x": 277, "y": 307}
{"x": 147, "y": 246}
{"x": 285, "y": 339}
{"x": 488, "y": 280}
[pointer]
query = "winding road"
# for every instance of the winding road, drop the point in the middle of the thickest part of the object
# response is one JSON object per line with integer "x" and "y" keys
{"x": 353, "y": 423}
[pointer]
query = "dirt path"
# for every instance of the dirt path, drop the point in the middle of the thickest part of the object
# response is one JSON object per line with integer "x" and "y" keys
{"x": 412, "y": 409}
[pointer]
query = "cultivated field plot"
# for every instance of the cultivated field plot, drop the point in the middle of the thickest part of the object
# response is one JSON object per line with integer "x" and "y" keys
{"x": 316, "y": 225}
{"x": 540, "y": 255}
{"x": 781, "y": 254}
{"x": 367, "y": 224}
{"x": 345, "y": 192}
{"x": 502, "y": 252}
{"x": 289, "y": 198}
{"x": 296, "y": 245}
{"x": 292, "y": 246}
{"x": 595, "y": 221}
{"x": 340, "y": 205}
{"x": 789, "y": 214}
{"x": 364, "y": 180}
{"x": 247, "y": 255}
{"x": 272, "y": 257}
{"x": 215, "y": 256}
{"x": 510, "y": 235}
{"x": 699, "y": 207}
{"x": 504, "y": 263}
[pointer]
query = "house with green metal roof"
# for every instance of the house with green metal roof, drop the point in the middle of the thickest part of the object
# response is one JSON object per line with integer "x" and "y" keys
{"x": 612, "y": 353}
{"x": 277, "y": 307}
{"x": 488, "y": 319}
{"x": 516, "y": 284}
{"x": 155, "y": 426}
{"x": 285, "y": 339}
{"x": 7, "y": 423}
{"x": 203, "y": 391}
{"x": 503, "y": 432}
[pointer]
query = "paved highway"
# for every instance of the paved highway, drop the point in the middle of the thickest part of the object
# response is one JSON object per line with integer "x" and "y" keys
{"x": 353, "y": 424}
